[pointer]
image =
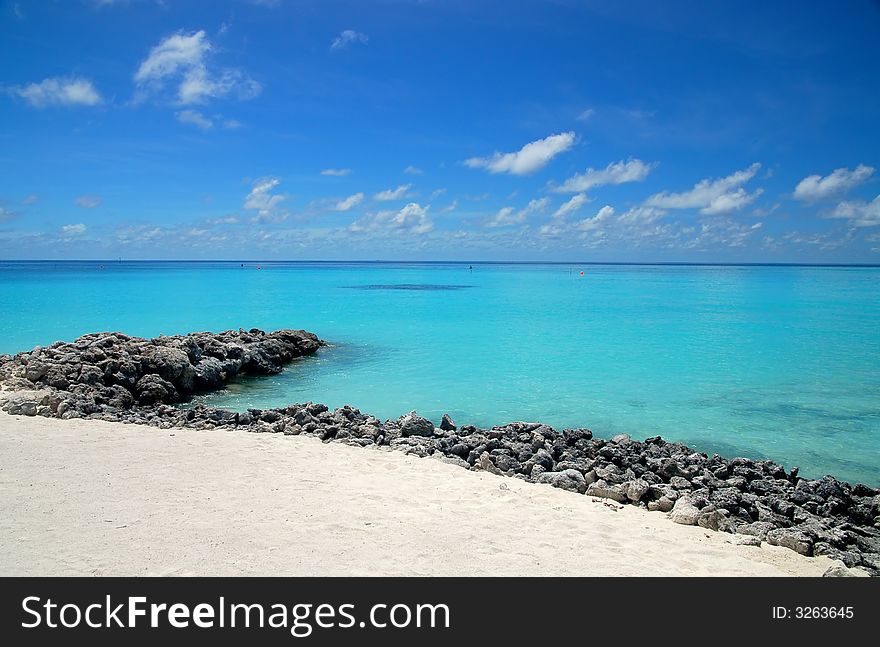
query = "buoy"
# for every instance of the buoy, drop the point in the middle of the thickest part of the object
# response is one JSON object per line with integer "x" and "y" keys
{"x": 582, "y": 273}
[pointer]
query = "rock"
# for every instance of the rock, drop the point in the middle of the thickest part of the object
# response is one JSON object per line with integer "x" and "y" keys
{"x": 152, "y": 389}
{"x": 839, "y": 569}
{"x": 571, "y": 480}
{"x": 757, "y": 529}
{"x": 635, "y": 490}
{"x": 715, "y": 520}
{"x": 685, "y": 512}
{"x": 446, "y": 424}
{"x": 605, "y": 490}
{"x": 663, "y": 504}
{"x": 748, "y": 540}
{"x": 413, "y": 424}
{"x": 484, "y": 463}
{"x": 208, "y": 374}
{"x": 172, "y": 365}
{"x": 793, "y": 539}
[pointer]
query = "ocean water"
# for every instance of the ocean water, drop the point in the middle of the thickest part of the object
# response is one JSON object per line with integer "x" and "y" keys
{"x": 775, "y": 362}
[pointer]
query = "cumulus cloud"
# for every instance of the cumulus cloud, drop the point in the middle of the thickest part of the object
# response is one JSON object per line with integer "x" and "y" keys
{"x": 393, "y": 194}
{"x": 266, "y": 203}
{"x": 631, "y": 170}
{"x": 723, "y": 232}
{"x": 350, "y": 202}
{"x": 711, "y": 197}
{"x": 572, "y": 205}
{"x": 336, "y": 172}
{"x": 585, "y": 114}
{"x": 59, "y": 91}
{"x": 509, "y": 216}
{"x": 410, "y": 219}
{"x": 183, "y": 59}
{"x": 603, "y": 216}
{"x": 6, "y": 214}
{"x": 816, "y": 187}
{"x": 194, "y": 118}
{"x": 413, "y": 170}
{"x": 33, "y": 198}
{"x": 73, "y": 230}
{"x": 88, "y": 201}
{"x": 858, "y": 212}
{"x": 642, "y": 215}
{"x": 531, "y": 157}
{"x": 349, "y": 37}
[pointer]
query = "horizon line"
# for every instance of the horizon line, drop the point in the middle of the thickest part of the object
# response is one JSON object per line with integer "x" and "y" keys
{"x": 447, "y": 262}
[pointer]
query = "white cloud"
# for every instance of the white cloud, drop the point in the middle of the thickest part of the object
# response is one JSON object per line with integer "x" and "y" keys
{"x": 336, "y": 172}
{"x": 59, "y": 91}
{"x": 195, "y": 118}
{"x": 410, "y": 219}
{"x": 602, "y": 217}
{"x": 586, "y": 114}
{"x": 183, "y": 58}
{"x": 350, "y": 202}
{"x": 572, "y": 205}
{"x": 393, "y": 194}
{"x": 816, "y": 187}
{"x": 413, "y": 170}
{"x": 6, "y": 214}
{"x": 528, "y": 159}
{"x": 711, "y": 197}
{"x": 73, "y": 230}
{"x": 349, "y": 37}
{"x": 33, "y": 198}
{"x": 225, "y": 220}
{"x": 723, "y": 232}
{"x": 859, "y": 212}
{"x": 631, "y": 170}
{"x": 88, "y": 201}
{"x": 264, "y": 202}
{"x": 509, "y": 216}
{"x": 731, "y": 201}
{"x": 642, "y": 215}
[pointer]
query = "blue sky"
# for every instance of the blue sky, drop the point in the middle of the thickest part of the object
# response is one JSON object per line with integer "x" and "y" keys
{"x": 395, "y": 129}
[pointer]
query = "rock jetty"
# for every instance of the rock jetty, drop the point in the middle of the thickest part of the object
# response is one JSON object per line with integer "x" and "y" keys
{"x": 114, "y": 377}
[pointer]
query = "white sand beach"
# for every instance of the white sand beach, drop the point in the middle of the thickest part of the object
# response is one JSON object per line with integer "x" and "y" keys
{"x": 82, "y": 497}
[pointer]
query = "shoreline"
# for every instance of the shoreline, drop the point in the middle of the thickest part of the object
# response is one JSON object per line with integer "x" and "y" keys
{"x": 94, "y": 498}
{"x": 117, "y": 378}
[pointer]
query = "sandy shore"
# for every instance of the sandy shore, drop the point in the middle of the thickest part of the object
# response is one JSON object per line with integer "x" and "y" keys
{"x": 95, "y": 498}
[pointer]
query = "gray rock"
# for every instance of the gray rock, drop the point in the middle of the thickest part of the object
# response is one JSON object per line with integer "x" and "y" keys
{"x": 413, "y": 424}
{"x": 571, "y": 480}
{"x": 152, "y": 389}
{"x": 715, "y": 520}
{"x": 685, "y": 512}
{"x": 748, "y": 540}
{"x": 446, "y": 423}
{"x": 839, "y": 569}
{"x": 793, "y": 539}
{"x": 606, "y": 490}
{"x": 635, "y": 490}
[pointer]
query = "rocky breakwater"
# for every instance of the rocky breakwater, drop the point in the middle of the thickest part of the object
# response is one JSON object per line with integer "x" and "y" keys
{"x": 119, "y": 378}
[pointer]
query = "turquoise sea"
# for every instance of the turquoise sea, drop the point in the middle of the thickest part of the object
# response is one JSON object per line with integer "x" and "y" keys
{"x": 780, "y": 362}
